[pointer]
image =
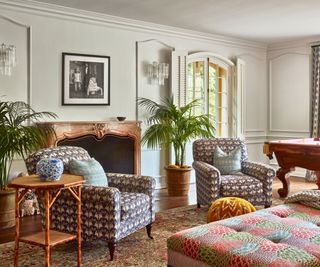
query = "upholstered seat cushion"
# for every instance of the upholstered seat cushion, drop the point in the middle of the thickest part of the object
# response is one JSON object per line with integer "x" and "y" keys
{"x": 133, "y": 204}
{"x": 240, "y": 186}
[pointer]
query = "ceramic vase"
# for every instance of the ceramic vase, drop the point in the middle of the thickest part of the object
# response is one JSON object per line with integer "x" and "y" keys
{"x": 50, "y": 169}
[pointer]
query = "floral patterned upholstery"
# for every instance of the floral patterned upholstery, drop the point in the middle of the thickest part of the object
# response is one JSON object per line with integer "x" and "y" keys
{"x": 65, "y": 153}
{"x": 254, "y": 183}
{"x": 285, "y": 235}
{"x": 108, "y": 213}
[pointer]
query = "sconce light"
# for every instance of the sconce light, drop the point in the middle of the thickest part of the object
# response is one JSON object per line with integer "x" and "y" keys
{"x": 157, "y": 72}
{"x": 7, "y": 59}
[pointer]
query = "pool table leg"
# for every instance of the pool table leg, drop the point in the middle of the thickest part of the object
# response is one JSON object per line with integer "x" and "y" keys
{"x": 317, "y": 173}
{"x": 284, "y": 178}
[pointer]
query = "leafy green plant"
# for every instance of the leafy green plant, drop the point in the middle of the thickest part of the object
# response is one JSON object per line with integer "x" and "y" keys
{"x": 18, "y": 134}
{"x": 171, "y": 125}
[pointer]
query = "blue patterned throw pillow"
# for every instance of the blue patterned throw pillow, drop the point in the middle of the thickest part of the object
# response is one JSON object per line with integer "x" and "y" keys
{"x": 227, "y": 163}
{"x": 91, "y": 170}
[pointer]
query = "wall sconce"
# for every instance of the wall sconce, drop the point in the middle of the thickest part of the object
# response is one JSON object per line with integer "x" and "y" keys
{"x": 7, "y": 59}
{"x": 158, "y": 72}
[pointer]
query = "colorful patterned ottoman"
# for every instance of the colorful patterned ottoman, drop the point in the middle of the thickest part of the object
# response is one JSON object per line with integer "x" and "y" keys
{"x": 285, "y": 235}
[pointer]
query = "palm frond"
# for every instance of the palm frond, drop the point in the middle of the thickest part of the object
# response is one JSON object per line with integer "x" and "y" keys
{"x": 172, "y": 125}
{"x": 19, "y": 135}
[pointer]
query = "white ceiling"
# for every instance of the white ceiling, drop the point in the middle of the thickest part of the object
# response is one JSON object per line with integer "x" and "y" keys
{"x": 267, "y": 21}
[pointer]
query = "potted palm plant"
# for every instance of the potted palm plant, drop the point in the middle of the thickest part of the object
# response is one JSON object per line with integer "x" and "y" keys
{"x": 171, "y": 125}
{"x": 18, "y": 137}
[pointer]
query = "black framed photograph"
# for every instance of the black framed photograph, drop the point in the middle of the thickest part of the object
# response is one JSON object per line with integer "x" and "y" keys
{"x": 85, "y": 79}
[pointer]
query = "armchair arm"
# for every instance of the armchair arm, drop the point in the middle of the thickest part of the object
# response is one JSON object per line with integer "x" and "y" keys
{"x": 207, "y": 182}
{"x": 205, "y": 169}
{"x": 262, "y": 172}
{"x": 132, "y": 183}
{"x": 258, "y": 170}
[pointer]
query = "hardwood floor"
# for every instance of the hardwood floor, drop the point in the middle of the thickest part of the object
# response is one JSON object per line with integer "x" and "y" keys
{"x": 31, "y": 224}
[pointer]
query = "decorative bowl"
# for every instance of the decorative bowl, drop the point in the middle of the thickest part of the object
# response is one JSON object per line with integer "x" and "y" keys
{"x": 50, "y": 169}
{"x": 121, "y": 118}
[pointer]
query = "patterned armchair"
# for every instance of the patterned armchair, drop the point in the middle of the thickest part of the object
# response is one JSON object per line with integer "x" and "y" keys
{"x": 108, "y": 213}
{"x": 254, "y": 183}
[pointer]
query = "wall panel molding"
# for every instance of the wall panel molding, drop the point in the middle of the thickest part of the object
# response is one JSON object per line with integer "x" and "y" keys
{"x": 273, "y": 91}
{"x": 255, "y": 131}
{"x": 29, "y": 53}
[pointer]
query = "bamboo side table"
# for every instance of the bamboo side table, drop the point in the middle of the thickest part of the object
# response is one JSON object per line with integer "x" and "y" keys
{"x": 49, "y": 191}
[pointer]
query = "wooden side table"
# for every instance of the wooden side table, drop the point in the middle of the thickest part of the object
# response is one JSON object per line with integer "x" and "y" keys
{"x": 50, "y": 191}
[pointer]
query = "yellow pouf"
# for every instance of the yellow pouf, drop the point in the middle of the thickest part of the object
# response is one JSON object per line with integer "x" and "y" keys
{"x": 227, "y": 207}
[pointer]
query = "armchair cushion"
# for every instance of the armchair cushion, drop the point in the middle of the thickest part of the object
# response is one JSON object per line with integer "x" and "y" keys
{"x": 227, "y": 163}
{"x": 91, "y": 170}
{"x": 240, "y": 186}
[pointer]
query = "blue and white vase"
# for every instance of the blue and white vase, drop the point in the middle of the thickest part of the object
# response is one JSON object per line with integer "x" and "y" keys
{"x": 50, "y": 169}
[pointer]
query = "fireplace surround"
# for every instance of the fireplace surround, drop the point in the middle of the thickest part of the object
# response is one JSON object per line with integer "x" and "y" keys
{"x": 116, "y": 145}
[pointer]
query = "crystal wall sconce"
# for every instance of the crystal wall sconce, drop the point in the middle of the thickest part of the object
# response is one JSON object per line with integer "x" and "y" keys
{"x": 158, "y": 72}
{"x": 7, "y": 59}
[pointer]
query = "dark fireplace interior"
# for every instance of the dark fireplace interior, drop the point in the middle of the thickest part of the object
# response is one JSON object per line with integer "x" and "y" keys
{"x": 115, "y": 153}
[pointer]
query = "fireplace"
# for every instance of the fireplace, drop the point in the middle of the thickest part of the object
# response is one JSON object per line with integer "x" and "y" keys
{"x": 116, "y": 145}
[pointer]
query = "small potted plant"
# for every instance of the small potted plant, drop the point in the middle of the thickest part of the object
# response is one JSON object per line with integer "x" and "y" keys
{"x": 18, "y": 137}
{"x": 171, "y": 125}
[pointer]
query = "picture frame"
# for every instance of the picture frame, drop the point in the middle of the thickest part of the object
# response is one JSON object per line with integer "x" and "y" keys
{"x": 85, "y": 79}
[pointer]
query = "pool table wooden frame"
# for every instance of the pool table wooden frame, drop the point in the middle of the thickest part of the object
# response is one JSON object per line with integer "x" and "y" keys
{"x": 304, "y": 153}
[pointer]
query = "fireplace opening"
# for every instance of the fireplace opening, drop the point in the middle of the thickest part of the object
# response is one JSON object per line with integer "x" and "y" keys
{"x": 114, "y": 152}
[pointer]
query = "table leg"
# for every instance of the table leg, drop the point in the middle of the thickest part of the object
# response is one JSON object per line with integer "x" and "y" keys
{"x": 47, "y": 226}
{"x": 284, "y": 178}
{"x": 17, "y": 232}
{"x": 79, "y": 226}
{"x": 317, "y": 173}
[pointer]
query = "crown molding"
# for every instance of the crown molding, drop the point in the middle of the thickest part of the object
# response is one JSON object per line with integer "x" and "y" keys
{"x": 301, "y": 43}
{"x": 34, "y": 7}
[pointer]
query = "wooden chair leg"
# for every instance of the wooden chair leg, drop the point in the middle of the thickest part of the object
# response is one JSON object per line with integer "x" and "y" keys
{"x": 111, "y": 246}
{"x": 149, "y": 226}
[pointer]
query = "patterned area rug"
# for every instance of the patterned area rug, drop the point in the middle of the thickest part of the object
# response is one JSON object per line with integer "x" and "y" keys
{"x": 135, "y": 250}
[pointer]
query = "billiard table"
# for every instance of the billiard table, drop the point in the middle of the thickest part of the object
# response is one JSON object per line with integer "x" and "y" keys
{"x": 304, "y": 153}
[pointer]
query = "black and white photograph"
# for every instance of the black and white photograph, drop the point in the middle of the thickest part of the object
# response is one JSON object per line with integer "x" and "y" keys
{"x": 86, "y": 79}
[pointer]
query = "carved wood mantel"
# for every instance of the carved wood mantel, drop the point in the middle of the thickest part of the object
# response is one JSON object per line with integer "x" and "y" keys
{"x": 73, "y": 130}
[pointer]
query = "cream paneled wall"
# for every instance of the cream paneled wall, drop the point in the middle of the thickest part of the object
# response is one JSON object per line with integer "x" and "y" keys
{"x": 56, "y": 30}
{"x": 289, "y": 72}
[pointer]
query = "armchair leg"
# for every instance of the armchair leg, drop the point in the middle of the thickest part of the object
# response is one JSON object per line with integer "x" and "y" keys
{"x": 267, "y": 206}
{"x": 198, "y": 206}
{"x": 149, "y": 226}
{"x": 111, "y": 246}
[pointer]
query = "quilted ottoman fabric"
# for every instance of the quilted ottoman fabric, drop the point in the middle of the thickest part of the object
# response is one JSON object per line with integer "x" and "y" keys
{"x": 227, "y": 207}
{"x": 286, "y": 235}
